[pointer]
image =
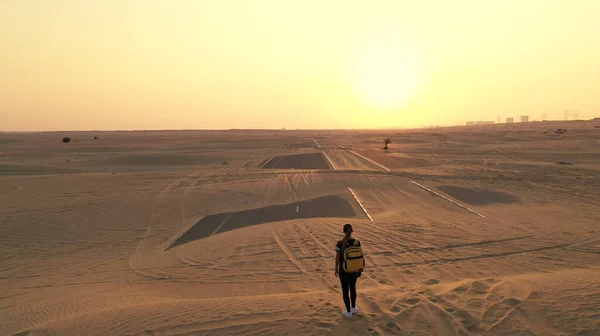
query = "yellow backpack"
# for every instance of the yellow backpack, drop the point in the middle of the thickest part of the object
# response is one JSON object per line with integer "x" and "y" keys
{"x": 354, "y": 261}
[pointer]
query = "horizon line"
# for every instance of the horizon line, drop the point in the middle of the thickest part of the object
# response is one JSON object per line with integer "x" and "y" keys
{"x": 283, "y": 128}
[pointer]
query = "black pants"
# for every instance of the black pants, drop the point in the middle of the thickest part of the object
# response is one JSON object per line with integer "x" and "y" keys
{"x": 348, "y": 287}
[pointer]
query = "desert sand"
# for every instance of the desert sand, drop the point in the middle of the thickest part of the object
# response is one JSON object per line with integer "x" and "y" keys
{"x": 466, "y": 231}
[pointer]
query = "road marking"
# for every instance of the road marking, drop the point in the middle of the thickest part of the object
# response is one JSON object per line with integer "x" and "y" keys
{"x": 330, "y": 162}
{"x": 373, "y": 162}
{"x": 221, "y": 225}
{"x": 318, "y": 146}
{"x": 450, "y": 200}
{"x": 359, "y": 203}
{"x": 297, "y": 207}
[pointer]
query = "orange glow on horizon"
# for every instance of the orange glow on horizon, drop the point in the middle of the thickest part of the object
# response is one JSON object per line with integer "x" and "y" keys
{"x": 156, "y": 64}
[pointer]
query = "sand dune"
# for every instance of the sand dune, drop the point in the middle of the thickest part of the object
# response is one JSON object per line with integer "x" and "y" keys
{"x": 163, "y": 159}
{"x": 148, "y": 233}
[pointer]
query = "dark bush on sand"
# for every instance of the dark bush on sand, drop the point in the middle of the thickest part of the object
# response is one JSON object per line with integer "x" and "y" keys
{"x": 66, "y": 139}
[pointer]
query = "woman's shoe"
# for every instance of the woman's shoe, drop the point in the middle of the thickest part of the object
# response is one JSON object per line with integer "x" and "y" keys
{"x": 347, "y": 314}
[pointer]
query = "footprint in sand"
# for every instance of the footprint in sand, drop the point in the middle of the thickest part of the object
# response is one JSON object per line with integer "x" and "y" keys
{"x": 432, "y": 282}
{"x": 392, "y": 326}
{"x": 413, "y": 301}
{"x": 372, "y": 332}
{"x": 460, "y": 288}
{"x": 469, "y": 326}
{"x": 478, "y": 291}
{"x": 324, "y": 324}
{"x": 511, "y": 302}
{"x": 389, "y": 301}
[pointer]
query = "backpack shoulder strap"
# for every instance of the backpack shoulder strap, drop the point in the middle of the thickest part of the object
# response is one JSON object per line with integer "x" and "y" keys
{"x": 356, "y": 242}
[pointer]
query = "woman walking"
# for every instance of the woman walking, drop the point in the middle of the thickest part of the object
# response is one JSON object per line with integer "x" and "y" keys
{"x": 348, "y": 276}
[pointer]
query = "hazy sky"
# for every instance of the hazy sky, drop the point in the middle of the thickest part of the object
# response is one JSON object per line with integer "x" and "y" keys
{"x": 150, "y": 64}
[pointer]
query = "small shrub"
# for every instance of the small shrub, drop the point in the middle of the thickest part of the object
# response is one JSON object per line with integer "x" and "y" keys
{"x": 66, "y": 139}
{"x": 386, "y": 142}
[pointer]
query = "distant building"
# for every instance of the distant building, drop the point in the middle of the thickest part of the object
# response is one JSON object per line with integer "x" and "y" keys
{"x": 485, "y": 122}
{"x": 524, "y": 118}
{"x": 510, "y": 120}
{"x": 470, "y": 123}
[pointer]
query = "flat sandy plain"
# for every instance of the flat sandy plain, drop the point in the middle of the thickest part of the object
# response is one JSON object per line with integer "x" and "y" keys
{"x": 470, "y": 231}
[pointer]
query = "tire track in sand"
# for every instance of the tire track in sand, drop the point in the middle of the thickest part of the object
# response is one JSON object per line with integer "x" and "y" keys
{"x": 136, "y": 261}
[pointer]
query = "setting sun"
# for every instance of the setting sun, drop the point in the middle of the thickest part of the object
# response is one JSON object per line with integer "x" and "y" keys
{"x": 387, "y": 74}
{"x": 154, "y": 64}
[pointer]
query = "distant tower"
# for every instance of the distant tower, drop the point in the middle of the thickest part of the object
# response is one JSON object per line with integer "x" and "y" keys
{"x": 524, "y": 118}
{"x": 544, "y": 116}
{"x": 510, "y": 120}
{"x": 576, "y": 115}
{"x": 498, "y": 120}
{"x": 566, "y": 115}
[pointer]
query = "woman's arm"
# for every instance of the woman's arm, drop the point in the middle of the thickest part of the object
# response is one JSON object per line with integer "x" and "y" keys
{"x": 337, "y": 262}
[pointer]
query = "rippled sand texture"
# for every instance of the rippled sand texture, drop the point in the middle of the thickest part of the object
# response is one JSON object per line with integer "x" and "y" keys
{"x": 467, "y": 231}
